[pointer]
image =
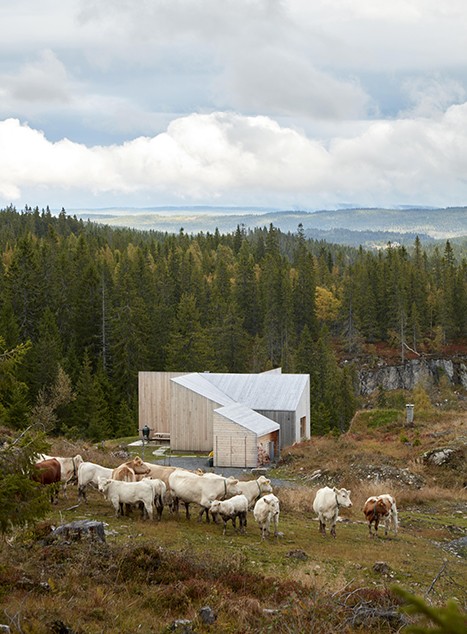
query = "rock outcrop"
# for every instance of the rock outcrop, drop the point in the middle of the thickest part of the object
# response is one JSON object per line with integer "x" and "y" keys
{"x": 414, "y": 371}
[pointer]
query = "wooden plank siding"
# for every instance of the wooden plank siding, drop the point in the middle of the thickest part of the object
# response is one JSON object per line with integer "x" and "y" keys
{"x": 191, "y": 420}
{"x": 233, "y": 445}
{"x": 236, "y": 446}
{"x": 154, "y": 400}
{"x": 287, "y": 422}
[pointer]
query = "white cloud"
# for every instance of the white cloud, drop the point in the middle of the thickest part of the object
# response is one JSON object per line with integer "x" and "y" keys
{"x": 43, "y": 80}
{"x": 432, "y": 95}
{"x": 224, "y": 156}
{"x": 139, "y": 89}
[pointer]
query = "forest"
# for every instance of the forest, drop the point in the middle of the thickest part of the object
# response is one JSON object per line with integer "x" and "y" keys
{"x": 84, "y": 307}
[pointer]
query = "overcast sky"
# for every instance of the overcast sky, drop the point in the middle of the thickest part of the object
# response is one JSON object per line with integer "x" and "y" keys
{"x": 284, "y": 103}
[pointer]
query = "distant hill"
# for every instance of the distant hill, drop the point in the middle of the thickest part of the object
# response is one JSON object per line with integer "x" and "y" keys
{"x": 368, "y": 227}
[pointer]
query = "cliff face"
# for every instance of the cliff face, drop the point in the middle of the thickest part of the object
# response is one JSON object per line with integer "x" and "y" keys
{"x": 406, "y": 376}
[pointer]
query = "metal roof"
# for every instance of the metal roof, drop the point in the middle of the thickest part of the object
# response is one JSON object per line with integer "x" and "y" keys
{"x": 246, "y": 417}
{"x": 197, "y": 383}
{"x": 265, "y": 391}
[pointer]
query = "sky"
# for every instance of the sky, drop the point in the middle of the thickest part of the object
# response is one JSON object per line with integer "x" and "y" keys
{"x": 290, "y": 104}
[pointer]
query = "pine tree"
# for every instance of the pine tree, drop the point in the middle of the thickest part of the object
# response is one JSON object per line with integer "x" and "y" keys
{"x": 43, "y": 361}
{"x": 320, "y": 420}
{"x": 22, "y": 501}
{"x": 89, "y": 411}
{"x": 14, "y": 406}
{"x": 304, "y": 288}
{"x": 188, "y": 349}
{"x": 246, "y": 290}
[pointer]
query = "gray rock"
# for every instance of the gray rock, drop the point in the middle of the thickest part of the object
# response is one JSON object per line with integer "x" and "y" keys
{"x": 414, "y": 371}
{"x": 181, "y": 626}
{"x": 207, "y": 615}
{"x": 443, "y": 456}
{"x": 80, "y": 528}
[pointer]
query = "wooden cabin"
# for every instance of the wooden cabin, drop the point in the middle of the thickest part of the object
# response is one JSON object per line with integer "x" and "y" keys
{"x": 237, "y": 416}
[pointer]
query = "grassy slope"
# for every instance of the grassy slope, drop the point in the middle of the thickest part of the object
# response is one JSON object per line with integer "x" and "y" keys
{"x": 149, "y": 574}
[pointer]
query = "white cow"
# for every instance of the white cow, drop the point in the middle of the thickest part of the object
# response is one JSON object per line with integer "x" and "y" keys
{"x": 327, "y": 503}
{"x": 89, "y": 473}
{"x": 119, "y": 492}
{"x": 267, "y": 510}
{"x": 254, "y": 489}
{"x": 159, "y": 490}
{"x": 236, "y": 506}
{"x": 189, "y": 487}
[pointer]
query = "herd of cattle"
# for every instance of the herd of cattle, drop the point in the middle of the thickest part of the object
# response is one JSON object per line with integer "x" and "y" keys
{"x": 152, "y": 487}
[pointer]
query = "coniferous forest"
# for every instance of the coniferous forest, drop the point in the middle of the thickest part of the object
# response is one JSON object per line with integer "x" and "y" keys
{"x": 84, "y": 307}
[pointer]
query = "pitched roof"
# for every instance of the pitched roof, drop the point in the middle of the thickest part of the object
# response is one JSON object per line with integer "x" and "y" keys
{"x": 197, "y": 383}
{"x": 247, "y": 418}
{"x": 266, "y": 391}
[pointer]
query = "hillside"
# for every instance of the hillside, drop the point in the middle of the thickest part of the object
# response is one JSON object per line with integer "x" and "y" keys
{"x": 150, "y": 576}
{"x": 367, "y": 227}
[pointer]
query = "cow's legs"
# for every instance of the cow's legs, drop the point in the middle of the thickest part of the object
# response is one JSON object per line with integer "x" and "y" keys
{"x": 322, "y": 528}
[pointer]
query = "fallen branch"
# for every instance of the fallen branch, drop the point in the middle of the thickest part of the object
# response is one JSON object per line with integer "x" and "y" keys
{"x": 440, "y": 572}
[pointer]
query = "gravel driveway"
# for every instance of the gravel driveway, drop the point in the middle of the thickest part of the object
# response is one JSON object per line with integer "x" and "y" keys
{"x": 159, "y": 456}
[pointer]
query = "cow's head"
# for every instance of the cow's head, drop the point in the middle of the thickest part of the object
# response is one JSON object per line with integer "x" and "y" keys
{"x": 103, "y": 483}
{"x": 343, "y": 497}
{"x": 215, "y": 507}
{"x": 231, "y": 487}
{"x": 264, "y": 484}
{"x": 382, "y": 507}
{"x": 138, "y": 466}
{"x": 272, "y": 503}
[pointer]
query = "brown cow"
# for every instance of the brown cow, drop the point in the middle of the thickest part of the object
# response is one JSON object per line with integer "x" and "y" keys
{"x": 49, "y": 472}
{"x": 131, "y": 471}
{"x": 381, "y": 507}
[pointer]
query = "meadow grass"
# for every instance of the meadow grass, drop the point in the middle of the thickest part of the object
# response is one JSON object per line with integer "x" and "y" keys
{"x": 148, "y": 574}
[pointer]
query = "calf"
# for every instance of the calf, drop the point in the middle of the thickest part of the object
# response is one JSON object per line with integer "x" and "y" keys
{"x": 267, "y": 510}
{"x": 381, "y": 507}
{"x": 160, "y": 491}
{"x": 327, "y": 503}
{"x": 119, "y": 492}
{"x": 236, "y": 506}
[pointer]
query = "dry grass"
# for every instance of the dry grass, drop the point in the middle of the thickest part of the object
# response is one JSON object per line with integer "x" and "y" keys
{"x": 149, "y": 574}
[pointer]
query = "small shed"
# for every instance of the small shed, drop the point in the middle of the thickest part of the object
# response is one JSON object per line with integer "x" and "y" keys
{"x": 242, "y": 437}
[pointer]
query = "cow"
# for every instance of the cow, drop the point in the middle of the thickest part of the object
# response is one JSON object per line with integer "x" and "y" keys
{"x": 189, "y": 487}
{"x": 89, "y": 473}
{"x": 159, "y": 472}
{"x": 131, "y": 471}
{"x": 381, "y": 507}
{"x": 254, "y": 489}
{"x": 267, "y": 510}
{"x": 236, "y": 506}
{"x": 119, "y": 493}
{"x": 327, "y": 503}
{"x": 69, "y": 468}
{"x": 160, "y": 491}
{"x": 48, "y": 472}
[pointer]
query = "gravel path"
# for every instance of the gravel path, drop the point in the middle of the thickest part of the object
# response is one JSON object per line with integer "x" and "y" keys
{"x": 158, "y": 456}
